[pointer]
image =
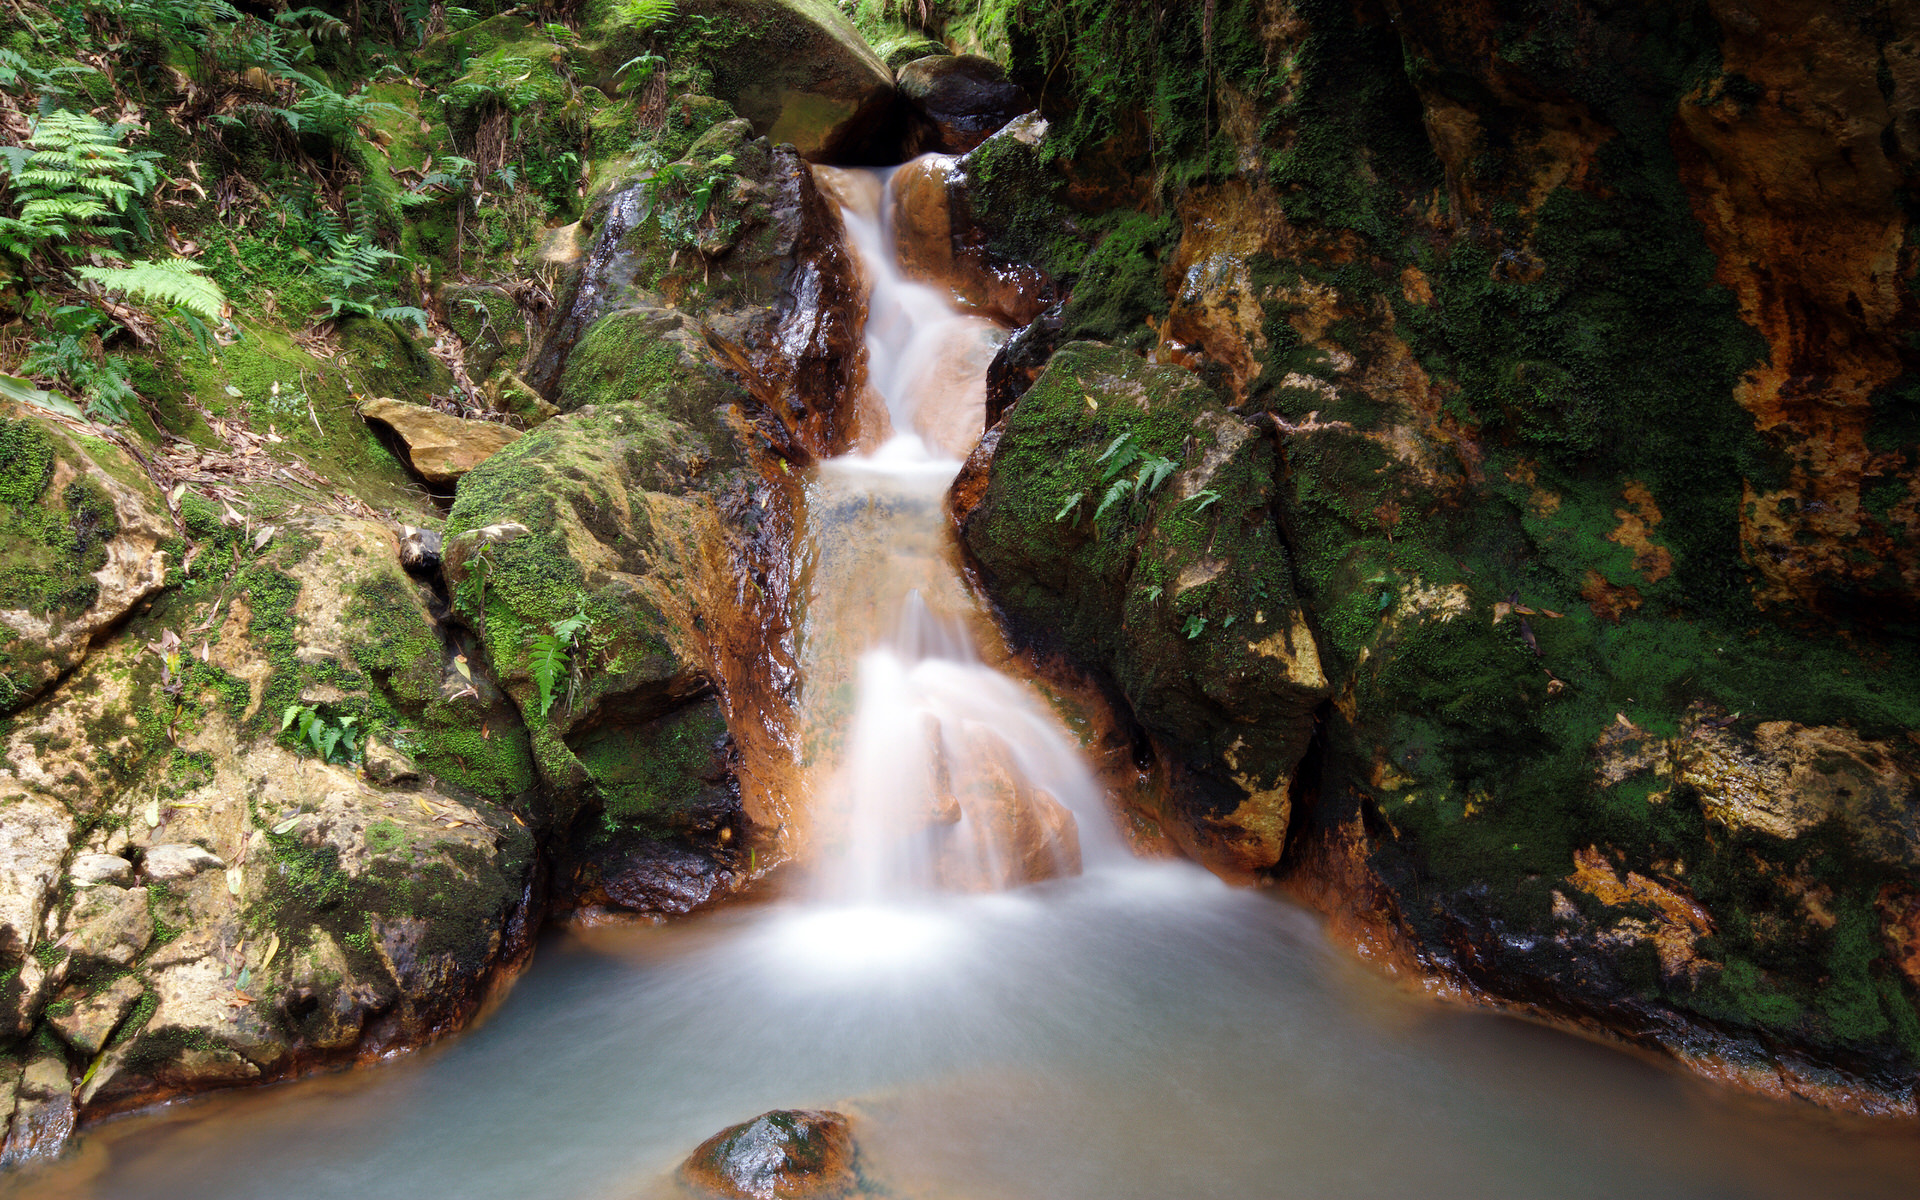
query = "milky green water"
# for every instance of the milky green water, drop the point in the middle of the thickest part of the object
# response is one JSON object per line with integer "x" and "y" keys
{"x": 1140, "y": 1032}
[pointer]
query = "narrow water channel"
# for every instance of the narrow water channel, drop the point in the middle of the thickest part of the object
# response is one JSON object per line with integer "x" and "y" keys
{"x": 1007, "y": 1003}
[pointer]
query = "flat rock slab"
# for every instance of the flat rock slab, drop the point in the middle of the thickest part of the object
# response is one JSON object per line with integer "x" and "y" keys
{"x": 441, "y": 447}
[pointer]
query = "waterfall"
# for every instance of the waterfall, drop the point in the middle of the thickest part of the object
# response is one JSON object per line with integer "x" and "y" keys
{"x": 943, "y": 773}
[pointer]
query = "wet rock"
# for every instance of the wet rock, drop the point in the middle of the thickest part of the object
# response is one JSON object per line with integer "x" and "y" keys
{"x": 788, "y": 1154}
{"x": 1013, "y": 833}
{"x": 959, "y": 100}
{"x": 82, "y": 526}
{"x": 953, "y": 223}
{"x": 1020, "y": 361}
{"x": 419, "y": 549}
{"x": 802, "y": 74}
{"x": 43, "y": 1113}
{"x": 90, "y": 869}
{"x": 1786, "y": 779}
{"x": 655, "y": 879}
{"x": 441, "y": 447}
{"x": 1178, "y": 595}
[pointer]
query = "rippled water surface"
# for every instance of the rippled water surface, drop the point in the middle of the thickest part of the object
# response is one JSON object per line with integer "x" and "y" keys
{"x": 1139, "y": 1032}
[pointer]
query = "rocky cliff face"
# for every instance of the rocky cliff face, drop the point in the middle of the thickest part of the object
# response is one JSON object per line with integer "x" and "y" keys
{"x": 1586, "y": 338}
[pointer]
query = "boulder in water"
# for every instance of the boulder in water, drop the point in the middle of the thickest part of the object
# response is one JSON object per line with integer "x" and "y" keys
{"x": 788, "y": 1154}
{"x": 958, "y": 101}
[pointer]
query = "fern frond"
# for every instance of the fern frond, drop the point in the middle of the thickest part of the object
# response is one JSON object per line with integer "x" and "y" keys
{"x": 417, "y": 317}
{"x": 173, "y": 283}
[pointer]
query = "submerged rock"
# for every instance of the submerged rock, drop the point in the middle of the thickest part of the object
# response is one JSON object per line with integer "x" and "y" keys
{"x": 788, "y": 1154}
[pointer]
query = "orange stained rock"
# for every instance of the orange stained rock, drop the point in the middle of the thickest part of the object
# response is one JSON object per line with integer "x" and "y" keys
{"x": 1682, "y": 920}
{"x": 1635, "y": 532}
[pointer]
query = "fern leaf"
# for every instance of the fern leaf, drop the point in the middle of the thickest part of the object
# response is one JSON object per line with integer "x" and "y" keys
{"x": 417, "y": 317}
{"x": 173, "y": 283}
{"x": 1153, "y": 473}
{"x": 549, "y": 663}
{"x": 1120, "y": 490}
{"x": 1072, "y": 502}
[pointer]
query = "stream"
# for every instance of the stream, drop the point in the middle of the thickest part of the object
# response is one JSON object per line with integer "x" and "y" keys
{"x": 1006, "y": 1001}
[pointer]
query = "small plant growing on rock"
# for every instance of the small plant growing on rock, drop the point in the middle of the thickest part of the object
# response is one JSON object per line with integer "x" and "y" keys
{"x": 1122, "y": 454}
{"x": 333, "y": 740}
{"x": 553, "y": 656}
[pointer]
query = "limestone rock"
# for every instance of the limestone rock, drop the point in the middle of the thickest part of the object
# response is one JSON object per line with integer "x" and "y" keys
{"x": 34, "y": 834}
{"x": 83, "y": 526}
{"x": 960, "y": 99}
{"x": 107, "y": 927}
{"x": 441, "y": 447}
{"x": 91, "y": 1020}
{"x": 90, "y": 869}
{"x": 788, "y": 1154}
{"x": 178, "y": 861}
{"x": 22, "y": 997}
{"x": 802, "y": 74}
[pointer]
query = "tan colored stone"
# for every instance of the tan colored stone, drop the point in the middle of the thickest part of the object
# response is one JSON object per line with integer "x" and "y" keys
{"x": 794, "y": 1154}
{"x": 92, "y": 1019}
{"x": 34, "y": 835}
{"x": 108, "y": 926}
{"x": 441, "y": 447}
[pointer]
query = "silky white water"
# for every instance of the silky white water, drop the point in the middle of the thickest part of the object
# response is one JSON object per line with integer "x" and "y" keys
{"x": 1137, "y": 1030}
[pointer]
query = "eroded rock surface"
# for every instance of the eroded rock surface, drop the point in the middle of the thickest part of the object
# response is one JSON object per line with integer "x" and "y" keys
{"x": 788, "y": 1154}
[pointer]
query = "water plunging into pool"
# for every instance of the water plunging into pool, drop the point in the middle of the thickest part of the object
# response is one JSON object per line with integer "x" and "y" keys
{"x": 1007, "y": 1003}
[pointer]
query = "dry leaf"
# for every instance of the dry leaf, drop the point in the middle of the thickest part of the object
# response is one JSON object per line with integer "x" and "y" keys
{"x": 263, "y": 537}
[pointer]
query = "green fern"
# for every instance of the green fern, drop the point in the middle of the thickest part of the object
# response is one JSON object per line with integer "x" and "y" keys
{"x": 647, "y": 14}
{"x": 552, "y": 658}
{"x": 172, "y": 283}
{"x": 71, "y": 177}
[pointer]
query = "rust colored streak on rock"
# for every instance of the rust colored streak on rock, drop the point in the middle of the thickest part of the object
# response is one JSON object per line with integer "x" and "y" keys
{"x": 1796, "y": 189}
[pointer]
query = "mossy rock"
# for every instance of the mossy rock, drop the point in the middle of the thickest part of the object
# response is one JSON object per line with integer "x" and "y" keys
{"x": 797, "y": 69}
{"x": 488, "y": 324}
{"x": 1159, "y": 569}
{"x": 81, "y": 530}
{"x": 561, "y": 525}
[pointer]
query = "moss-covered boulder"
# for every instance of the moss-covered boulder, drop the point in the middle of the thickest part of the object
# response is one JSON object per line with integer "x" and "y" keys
{"x": 227, "y": 889}
{"x": 799, "y": 71}
{"x": 81, "y": 530}
{"x": 1124, "y": 516}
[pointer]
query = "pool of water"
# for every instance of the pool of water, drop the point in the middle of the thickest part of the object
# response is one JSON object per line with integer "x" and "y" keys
{"x": 1142, "y": 1031}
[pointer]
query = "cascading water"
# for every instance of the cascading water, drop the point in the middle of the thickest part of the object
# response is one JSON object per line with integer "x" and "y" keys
{"x": 951, "y": 776}
{"x": 1135, "y": 1033}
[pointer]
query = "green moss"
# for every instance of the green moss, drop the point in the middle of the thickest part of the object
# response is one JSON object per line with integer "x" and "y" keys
{"x": 1122, "y": 280}
{"x": 648, "y": 777}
